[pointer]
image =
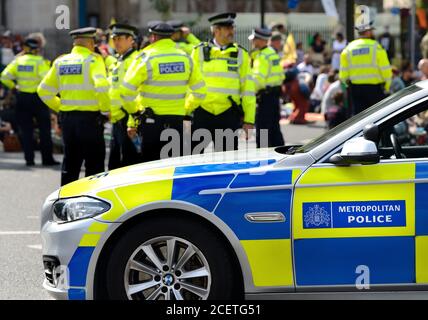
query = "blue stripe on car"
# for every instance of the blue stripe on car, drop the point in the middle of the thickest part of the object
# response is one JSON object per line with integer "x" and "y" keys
{"x": 188, "y": 189}
{"x": 421, "y": 207}
{"x": 261, "y": 179}
{"x": 78, "y": 266}
{"x": 76, "y": 294}
{"x": 234, "y": 206}
{"x": 233, "y": 166}
{"x": 421, "y": 170}
{"x": 335, "y": 261}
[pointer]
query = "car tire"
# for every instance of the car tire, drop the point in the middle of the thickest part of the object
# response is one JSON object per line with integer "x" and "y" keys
{"x": 200, "y": 238}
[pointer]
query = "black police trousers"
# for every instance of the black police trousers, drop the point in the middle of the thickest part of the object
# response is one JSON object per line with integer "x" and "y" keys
{"x": 364, "y": 96}
{"x": 83, "y": 137}
{"x": 28, "y": 107}
{"x": 268, "y": 129}
{"x": 152, "y": 147}
{"x": 229, "y": 120}
{"x": 122, "y": 150}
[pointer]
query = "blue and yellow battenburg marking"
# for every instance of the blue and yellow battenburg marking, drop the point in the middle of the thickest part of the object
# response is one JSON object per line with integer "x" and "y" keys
{"x": 79, "y": 263}
{"x": 342, "y": 220}
{"x": 335, "y": 227}
{"x": 267, "y": 245}
{"x": 421, "y": 194}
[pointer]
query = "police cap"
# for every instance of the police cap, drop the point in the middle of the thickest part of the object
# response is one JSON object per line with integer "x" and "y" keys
{"x": 176, "y": 24}
{"x": 223, "y": 19}
{"x": 260, "y": 33}
{"x": 83, "y": 33}
{"x": 119, "y": 29}
{"x": 160, "y": 28}
{"x": 32, "y": 43}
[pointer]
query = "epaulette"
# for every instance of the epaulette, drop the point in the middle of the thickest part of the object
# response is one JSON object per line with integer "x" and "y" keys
{"x": 202, "y": 44}
{"x": 141, "y": 55}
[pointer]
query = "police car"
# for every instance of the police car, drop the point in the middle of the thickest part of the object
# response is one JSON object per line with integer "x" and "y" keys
{"x": 346, "y": 213}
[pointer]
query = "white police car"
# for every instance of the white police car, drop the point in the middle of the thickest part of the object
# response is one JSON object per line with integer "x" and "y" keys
{"x": 347, "y": 211}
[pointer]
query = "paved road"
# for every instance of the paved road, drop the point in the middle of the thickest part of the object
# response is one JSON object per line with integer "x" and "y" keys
{"x": 22, "y": 194}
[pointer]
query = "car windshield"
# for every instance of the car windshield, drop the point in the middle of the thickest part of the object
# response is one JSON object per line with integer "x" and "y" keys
{"x": 350, "y": 122}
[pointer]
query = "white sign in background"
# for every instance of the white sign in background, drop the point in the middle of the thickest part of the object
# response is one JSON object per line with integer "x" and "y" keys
{"x": 330, "y": 8}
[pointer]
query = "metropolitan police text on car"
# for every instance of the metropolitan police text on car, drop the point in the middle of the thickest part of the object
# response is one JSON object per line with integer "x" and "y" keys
{"x": 354, "y": 214}
{"x": 174, "y": 67}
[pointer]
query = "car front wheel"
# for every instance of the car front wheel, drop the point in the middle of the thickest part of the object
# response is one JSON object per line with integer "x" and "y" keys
{"x": 170, "y": 259}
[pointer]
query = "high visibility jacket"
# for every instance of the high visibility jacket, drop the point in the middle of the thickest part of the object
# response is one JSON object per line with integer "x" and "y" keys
{"x": 163, "y": 76}
{"x": 226, "y": 73}
{"x": 109, "y": 61}
{"x": 27, "y": 71}
{"x": 80, "y": 80}
{"x": 116, "y": 75}
{"x": 364, "y": 61}
{"x": 267, "y": 70}
{"x": 188, "y": 44}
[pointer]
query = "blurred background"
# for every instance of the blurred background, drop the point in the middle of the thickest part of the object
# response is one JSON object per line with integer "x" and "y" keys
{"x": 301, "y": 17}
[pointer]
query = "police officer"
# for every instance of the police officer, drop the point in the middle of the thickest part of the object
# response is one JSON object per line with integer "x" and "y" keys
{"x": 102, "y": 48}
{"x": 122, "y": 149}
{"x": 27, "y": 71}
{"x": 231, "y": 101}
{"x": 162, "y": 75}
{"x": 268, "y": 77}
{"x": 365, "y": 67}
{"x": 80, "y": 80}
{"x": 185, "y": 40}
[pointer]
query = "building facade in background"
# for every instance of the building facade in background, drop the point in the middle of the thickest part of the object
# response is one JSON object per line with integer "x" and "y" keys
{"x": 303, "y": 17}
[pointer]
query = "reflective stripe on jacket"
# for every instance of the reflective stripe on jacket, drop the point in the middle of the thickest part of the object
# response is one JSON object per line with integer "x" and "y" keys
{"x": 80, "y": 80}
{"x": 25, "y": 72}
{"x": 227, "y": 73}
{"x": 364, "y": 61}
{"x": 165, "y": 79}
{"x": 116, "y": 75}
{"x": 267, "y": 70}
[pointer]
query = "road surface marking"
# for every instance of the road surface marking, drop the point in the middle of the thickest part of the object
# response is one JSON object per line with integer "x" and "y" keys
{"x": 36, "y": 247}
{"x": 18, "y": 233}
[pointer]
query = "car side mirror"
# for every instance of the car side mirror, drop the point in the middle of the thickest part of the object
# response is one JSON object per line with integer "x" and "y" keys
{"x": 357, "y": 151}
{"x": 371, "y": 133}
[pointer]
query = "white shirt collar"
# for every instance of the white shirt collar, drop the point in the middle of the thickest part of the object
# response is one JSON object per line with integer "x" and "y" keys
{"x": 219, "y": 46}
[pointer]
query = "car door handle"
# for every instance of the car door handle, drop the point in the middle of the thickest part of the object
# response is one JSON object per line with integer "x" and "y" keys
{"x": 265, "y": 217}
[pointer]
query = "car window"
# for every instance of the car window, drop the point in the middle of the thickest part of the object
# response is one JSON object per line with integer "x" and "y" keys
{"x": 350, "y": 122}
{"x": 410, "y": 131}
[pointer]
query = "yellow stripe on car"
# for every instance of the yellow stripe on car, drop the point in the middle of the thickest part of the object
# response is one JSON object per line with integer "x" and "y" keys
{"x": 354, "y": 174}
{"x": 270, "y": 262}
{"x": 139, "y": 194}
{"x": 90, "y": 240}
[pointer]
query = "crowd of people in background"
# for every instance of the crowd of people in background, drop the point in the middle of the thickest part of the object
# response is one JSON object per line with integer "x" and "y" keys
{"x": 312, "y": 82}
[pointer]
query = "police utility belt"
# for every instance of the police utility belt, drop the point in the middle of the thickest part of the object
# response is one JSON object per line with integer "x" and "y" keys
{"x": 97, "y": 116}
{"x": 148, "y": 116}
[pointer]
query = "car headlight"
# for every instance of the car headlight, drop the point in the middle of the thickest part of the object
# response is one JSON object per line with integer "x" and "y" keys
{"x": 67, "y": 210}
